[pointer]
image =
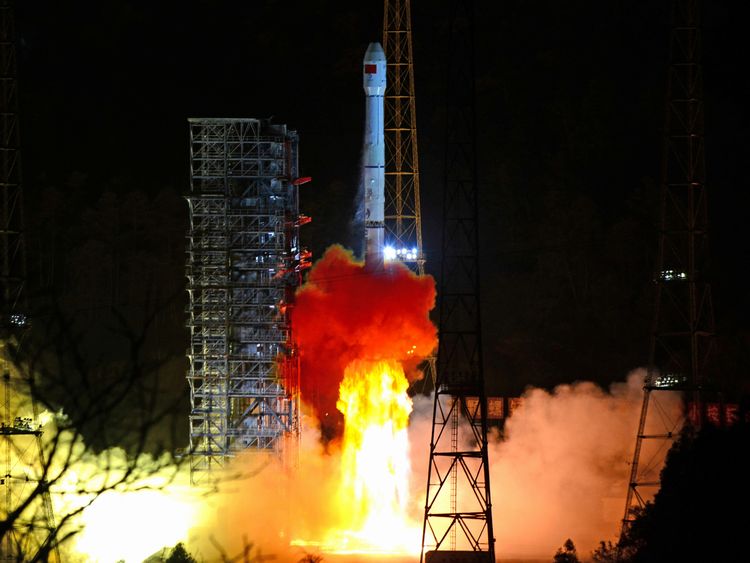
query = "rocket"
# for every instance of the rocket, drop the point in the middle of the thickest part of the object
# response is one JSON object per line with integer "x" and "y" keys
{"x": 373, "y": 161}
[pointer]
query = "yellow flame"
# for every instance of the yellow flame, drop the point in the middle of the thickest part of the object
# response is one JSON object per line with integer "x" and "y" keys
{"x": 126, "y": 522}
{"x": 133, "y": 525}
{"x": 375, "y": 468}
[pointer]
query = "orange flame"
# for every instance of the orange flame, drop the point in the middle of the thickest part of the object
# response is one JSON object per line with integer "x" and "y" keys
{"x": 362, "y": 334}
{"x": 346, "y": 313}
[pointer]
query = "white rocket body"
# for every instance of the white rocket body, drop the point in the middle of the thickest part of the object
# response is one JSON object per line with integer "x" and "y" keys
{"x": 373, "y": 163}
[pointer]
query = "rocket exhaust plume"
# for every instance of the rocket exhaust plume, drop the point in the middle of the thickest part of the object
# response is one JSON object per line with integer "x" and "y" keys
{"x": 373, "y": 162}
{"x": 346, "y": 312}
{"x": 361, "y": 334}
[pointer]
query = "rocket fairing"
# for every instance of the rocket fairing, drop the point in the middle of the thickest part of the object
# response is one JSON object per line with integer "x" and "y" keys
{"x": 373, "y": 161}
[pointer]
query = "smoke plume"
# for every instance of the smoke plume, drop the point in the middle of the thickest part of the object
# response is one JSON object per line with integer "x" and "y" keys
{"x": 562, "y": 467}
{"x": 560, "y": 472}
{"x": 345, "y": 313}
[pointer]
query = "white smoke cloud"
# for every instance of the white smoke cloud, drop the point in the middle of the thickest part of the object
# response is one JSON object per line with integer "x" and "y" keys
{"x": 561, "y": 469}
{"x": 559, "y": 472}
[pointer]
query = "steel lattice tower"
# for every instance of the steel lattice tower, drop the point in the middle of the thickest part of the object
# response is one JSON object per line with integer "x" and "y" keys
{"x": 458, "y": 508}
{"x": 403, "y": 221}
{"x": 403, "y": 216}
{"x": 243, "y": 264}
{"x": 12, "y": 249}
{"x": 683, "y": 325}
{"x": 32, "y": 533}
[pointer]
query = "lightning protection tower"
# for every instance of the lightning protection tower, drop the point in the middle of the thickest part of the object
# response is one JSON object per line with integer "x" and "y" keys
{"x": 458, "y": 508}
{"x": 243, "y": 264}
{"x": 683, "y": 325}
{"x": 28, "y": 530}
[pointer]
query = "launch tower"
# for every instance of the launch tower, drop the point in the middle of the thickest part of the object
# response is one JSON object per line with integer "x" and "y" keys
{"x": 403, "y": 215}
{"x": 403, "y": 220}
{"x": 243, "y": 264}
{"x": 683, "y": 325}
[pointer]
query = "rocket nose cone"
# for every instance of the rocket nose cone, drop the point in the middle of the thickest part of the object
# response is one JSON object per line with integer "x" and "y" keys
{"x": 374, "y": 53}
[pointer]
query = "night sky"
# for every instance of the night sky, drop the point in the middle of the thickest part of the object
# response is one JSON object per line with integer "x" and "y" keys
{"x": 570, "y": 109}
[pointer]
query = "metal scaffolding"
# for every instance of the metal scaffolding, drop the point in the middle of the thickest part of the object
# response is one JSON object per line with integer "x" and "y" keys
{"x": 243, "y": 264}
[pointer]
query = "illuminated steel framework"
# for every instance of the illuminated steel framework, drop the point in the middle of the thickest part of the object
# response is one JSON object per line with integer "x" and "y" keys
{"x": 403, "y": 221}
{"x": 683, "y": 325}
{"x": 403, "y": 217}
{"x": 458, "y": 508}
{"x": 28, "y": 531}
{"x": 243, "y": 264}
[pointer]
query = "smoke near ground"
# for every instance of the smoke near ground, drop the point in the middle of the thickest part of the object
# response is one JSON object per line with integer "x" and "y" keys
{"x": 107, "y": 505}
{"x": 269, "y": 505}
{"x": 561, "y": 472}
{"x": 563, "y": 469}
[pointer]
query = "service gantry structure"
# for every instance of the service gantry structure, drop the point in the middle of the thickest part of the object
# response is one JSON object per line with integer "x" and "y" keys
{"x": 681, "y": 355}
{"x": 458, "y": 508}
{"x": 27, "y": 528}
{"x": 244, "y": 261}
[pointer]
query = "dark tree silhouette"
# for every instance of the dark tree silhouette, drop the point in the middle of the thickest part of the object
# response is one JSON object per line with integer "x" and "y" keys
{"x": 567, "y": 553}
{"x": 93, "y": 403}
{"x": 605, "y": 553}
{"x": 180, "y": 555}
{"x": 694, "y": 516}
